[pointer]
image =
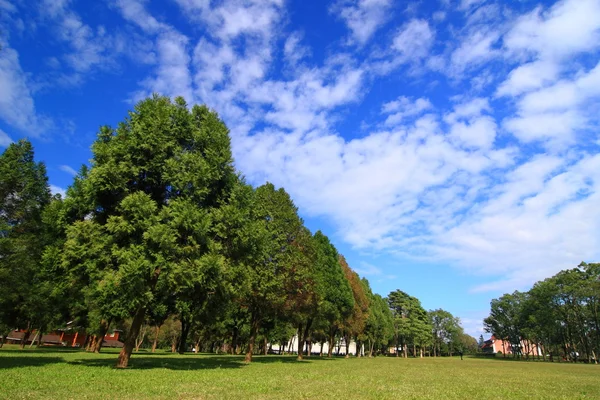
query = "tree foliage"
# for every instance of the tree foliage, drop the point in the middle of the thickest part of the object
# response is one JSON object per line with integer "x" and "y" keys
{"x": 161, "y": 238}
{"x": 560, "y": 315}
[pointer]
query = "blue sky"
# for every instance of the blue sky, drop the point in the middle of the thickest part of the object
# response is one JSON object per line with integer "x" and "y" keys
{"x": 449, "y": 148}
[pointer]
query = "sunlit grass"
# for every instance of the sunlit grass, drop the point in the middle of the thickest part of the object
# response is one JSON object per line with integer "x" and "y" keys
{"x": 60, "y": 374}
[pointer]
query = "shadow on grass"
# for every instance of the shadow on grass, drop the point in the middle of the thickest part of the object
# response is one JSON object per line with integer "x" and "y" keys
{"x": 190, "y": 362}
{"x": 43, "y": 350}
{"x": 20, "y": 362}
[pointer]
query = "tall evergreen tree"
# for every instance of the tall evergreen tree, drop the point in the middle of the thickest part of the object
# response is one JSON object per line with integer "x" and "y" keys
{"x": 24, "y": 194}
{"x": 153, "y": 187}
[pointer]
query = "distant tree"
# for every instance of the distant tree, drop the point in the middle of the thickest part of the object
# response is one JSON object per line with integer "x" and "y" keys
{"x": 410, "y": 321}
{"x": 336, "y": 301}
{"x": 272, "y": 227}
{"x": 445, "y": 329}
{"x": 379, "y": 328}
{"x": 354, "y": 324}
{"x": 504, "y": 319}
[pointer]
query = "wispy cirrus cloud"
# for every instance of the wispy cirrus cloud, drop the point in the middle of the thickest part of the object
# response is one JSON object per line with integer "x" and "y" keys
{"x": 69, "y": 170}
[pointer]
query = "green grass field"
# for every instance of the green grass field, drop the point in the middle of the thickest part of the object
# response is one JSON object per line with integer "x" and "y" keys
{"x": 65, "y": 374}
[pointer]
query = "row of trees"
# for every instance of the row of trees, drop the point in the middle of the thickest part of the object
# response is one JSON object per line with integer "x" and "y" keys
{"x": 161, "y": 231}
{"x": 559, "y": 314}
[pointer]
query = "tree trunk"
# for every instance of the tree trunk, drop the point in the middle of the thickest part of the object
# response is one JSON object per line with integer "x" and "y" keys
{"x": 93, "y": 344}
{"x": 331, "y": 338}
{"x": 4, "y": 339}
{"x": 347, "y": 340}
{"x": 234, "y": 337}
{"x": 104, "y": 326}
{"x": 321, "y": 349}
{"x": 421, "y": 352}
{"x": 138, "y": 343}
{"x": 303, "y": 339}
{"x": 254, "y": 325}
{"x": 155, "y": 343}
{"x": 265, "y": 346}
{"x": 25, "y": 336}
{"x": 185, "y": 329}
{"x": 36, "y": 337}
{"x": 371, "y": 344}
{"x": 133, "y": 333}
{"x": 90, "y": 341}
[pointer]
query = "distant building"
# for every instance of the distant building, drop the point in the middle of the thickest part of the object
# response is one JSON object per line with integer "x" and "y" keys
{"x": 525, "y": 347}
{"x": 62, "y": 337}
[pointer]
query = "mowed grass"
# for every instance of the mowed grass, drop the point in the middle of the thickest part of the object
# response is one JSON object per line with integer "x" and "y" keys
{"x": 64, "y": 374}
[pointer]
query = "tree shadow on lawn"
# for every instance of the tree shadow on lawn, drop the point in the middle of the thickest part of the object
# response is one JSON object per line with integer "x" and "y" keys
{"x": 42, "y": 350}
{"x": 189, "y": 362}
{"x": 19, "y": 361}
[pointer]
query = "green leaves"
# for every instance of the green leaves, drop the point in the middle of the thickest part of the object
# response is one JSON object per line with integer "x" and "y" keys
{"x": 24, "y": 195}
{"x": 154, "y": 185}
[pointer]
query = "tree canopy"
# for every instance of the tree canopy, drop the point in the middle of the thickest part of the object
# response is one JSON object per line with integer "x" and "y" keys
{"x": 160, "y": 237}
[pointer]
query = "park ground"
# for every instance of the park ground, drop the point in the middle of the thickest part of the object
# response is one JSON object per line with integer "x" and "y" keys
{"x": 70, "y": 374}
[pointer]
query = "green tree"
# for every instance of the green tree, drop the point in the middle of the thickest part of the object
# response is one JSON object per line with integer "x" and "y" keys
{"x": 411, "y": 325}
{"x": 268, "y": 235}
{"x": 336, "y": 301}
{"x": 24, "y": 194}
{"x": 379, "y": 327}
{"x": 354, "y": 324}
{"x": 153, "y": 186}
{"x": 445, "y": 328}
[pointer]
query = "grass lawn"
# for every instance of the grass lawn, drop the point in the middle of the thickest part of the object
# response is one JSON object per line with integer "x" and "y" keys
{"x": 67, "y": 374}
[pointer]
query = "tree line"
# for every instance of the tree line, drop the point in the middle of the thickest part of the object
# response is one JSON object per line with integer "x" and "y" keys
{"x": 161, "y": 232}
{"x": 559, "y": 314}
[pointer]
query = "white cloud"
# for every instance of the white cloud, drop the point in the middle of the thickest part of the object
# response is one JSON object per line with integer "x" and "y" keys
{"x": 58, "y": 190}
{"x": 293, "y": 50}
{"x": 556, "y": 112}
{"x": 363, "y": 17}
{"x": 467, "y": 4}
{"x": 440, "y": 183}
{"x": 543, "y": 213}
{"x": 135, "y": 11}
{"x": 173, "y": 76}
{"x": 5, "y": 140}
{"x": 414, "y": 40}
{"x": 475, "y": 50}
{"x": 477, "y": 133}
{"x": 367, "y": 269}
{"x": 69, "y": 170}
{"x": 403, "y": 108}
{"x": 545, "y": 126}
{"x": 569, "y": 27}
{"x": 17, "y": 107}
{"x": 528, "y": 77}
